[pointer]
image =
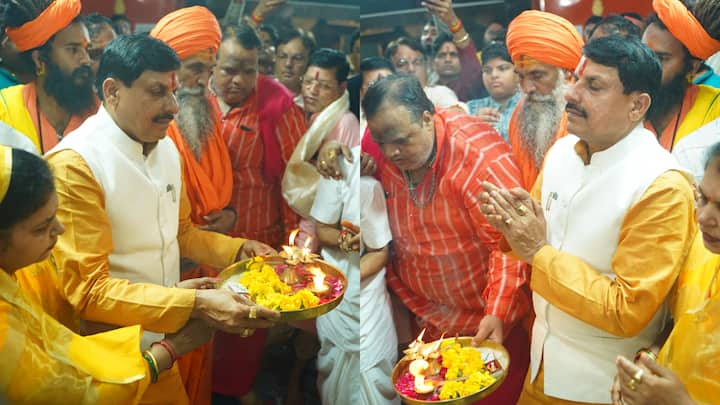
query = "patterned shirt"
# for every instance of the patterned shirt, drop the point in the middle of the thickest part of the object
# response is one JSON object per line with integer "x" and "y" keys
{"x": 262, "y": 212}
{"x": 448, "y": 268}
{"x": 505, "y": 112}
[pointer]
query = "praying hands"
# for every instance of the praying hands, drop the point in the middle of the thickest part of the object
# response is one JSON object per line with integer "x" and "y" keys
{"x": 517, "y": 216}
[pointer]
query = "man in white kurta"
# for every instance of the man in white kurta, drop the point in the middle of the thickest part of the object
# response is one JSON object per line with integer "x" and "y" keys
{"x": 127, "y": 216}
{"x": 338, "y": 330}
{"x": 378, "y": 338}
{"x": 607, "y": 229}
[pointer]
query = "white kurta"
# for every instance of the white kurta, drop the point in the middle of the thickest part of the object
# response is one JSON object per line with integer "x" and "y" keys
{"x": 378, "y": 339}
{"x": 338, "y": 330}
{"x": 142, "y": 200}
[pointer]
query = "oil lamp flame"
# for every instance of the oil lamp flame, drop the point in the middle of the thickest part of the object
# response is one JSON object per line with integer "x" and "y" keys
{"x": 318, "y": 278}
{"x": 293, "y": 234}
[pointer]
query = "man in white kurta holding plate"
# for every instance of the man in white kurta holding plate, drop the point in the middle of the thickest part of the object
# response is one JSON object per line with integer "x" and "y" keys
{"x": 606, "y": 229}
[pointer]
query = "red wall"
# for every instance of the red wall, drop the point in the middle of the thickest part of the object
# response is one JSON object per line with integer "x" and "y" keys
{"x": 138, "y": 11}
{"x": 577, "y": 11}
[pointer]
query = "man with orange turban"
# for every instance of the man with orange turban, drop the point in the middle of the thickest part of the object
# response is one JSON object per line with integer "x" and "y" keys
{"x": 682, "y": 44}
{"x": 545, "y": 48}
{"x": 52, "y": 38}
{"x": 194, "y": 34}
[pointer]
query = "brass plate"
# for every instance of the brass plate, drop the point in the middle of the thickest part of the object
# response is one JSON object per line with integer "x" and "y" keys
{"x": 233, "y": 272}
{"x": 501, "y": 355}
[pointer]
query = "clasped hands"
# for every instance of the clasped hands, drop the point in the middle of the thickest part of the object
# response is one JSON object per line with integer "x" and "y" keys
{"x": 517, "y": 216}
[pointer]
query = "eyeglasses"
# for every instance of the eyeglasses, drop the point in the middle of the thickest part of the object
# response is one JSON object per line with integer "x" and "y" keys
{"x": 309, "y": 82}
{"x": 403, "y": 63}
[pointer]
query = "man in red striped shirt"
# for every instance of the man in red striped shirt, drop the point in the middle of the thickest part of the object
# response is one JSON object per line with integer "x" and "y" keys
{"x": 448, "y": 268}
{"x": 261, "y": 126}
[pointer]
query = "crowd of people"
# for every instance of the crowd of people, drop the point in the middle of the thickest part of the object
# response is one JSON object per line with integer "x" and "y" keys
{"x": 551, "y": 189}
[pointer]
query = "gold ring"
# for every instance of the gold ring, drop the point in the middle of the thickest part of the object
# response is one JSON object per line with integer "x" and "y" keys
{"x": 509, "y": 222}
{"x": 323, "y": 163}
{"x": 246, "y": 332}
{"x": 631, "y": 384}
{"x": 521, "y": 210}
{"x": 253, "y": 312}
{"x": 638, "y": 375}
{"x": 331, "y": 154}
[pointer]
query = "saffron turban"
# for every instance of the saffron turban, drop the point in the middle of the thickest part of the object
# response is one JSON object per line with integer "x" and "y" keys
{"x": 35, "y": 33}
{"x": 545, "y": 37}
{"x": 188, "y": 31}
{"x": 686, "y": 28}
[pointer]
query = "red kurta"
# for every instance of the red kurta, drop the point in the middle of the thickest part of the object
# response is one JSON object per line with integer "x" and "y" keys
{"x": 448, "y": 268}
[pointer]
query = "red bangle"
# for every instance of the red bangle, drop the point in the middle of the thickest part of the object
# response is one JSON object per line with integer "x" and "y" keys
{"x": 256, "y": 18}
{"x": 457, "y": 27}
{"x": 171, "y": 350}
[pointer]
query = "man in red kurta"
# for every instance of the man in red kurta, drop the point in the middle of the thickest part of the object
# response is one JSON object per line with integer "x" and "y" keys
{"x": 448, "y": 268}
{"x": 545, "y": 48}
{"x": 194, "y": 34}
{"x": 260, "y": 126}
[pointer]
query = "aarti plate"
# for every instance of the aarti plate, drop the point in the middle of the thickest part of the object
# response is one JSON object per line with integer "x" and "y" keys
{"x": 232, "y": 274}
{"x": 487, "y": 347}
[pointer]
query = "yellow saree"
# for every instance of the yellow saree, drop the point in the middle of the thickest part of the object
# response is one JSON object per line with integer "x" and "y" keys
{"x": 45, "y": 362}
{"x": 692, "y": 350}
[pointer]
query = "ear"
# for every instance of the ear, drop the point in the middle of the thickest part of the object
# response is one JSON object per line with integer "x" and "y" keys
{"x": 38, "y": 60}
{"x": 111, "y": 89}
{"x": 427, "y": 118}
{"x": 568, "y": 75}
{"x": 639, "y": 107}
{"x": 343, "y": 87}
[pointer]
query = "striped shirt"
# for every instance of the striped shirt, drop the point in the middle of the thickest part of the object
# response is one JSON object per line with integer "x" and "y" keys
{"x": 262, "y": 212}
{"x": 448, "y": 268}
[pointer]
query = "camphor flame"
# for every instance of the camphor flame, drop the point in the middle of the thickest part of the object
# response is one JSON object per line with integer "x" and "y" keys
{"x": 293, "y": 234}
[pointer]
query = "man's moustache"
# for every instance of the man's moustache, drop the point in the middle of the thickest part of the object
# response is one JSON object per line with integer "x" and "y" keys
{"x": 163, "y": 117}
{"x": 577, "y": 109}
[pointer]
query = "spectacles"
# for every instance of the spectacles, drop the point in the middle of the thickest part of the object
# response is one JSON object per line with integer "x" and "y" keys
{"x": 324, "y": 85}
{"x": 403, "y": 63}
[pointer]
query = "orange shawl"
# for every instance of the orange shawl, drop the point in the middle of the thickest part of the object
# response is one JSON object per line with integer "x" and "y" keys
{"x": 209, "y": 181}
{"x": 523, "y": 157}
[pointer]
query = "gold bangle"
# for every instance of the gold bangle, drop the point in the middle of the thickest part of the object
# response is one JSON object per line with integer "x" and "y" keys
{"x": 464, "y": 39}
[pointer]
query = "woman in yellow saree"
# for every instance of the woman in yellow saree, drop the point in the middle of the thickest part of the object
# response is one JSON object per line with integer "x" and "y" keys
{"x": 43, "y": 361}
{"x": 687, "y": 371}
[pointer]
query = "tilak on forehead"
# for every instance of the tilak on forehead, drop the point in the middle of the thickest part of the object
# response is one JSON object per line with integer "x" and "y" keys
{"x": 317, "y": 74}
{"x": 580, "y": 69}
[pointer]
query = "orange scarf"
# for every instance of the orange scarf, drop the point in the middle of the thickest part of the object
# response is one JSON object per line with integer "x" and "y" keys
{"x": 209, "y": 181}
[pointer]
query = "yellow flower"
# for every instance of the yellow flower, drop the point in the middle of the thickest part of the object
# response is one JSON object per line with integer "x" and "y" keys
{"x": 463, "y": 362}
{"x": 268, "y": 290}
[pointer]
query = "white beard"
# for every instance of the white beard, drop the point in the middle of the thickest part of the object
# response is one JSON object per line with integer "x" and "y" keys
{"x": 540, "y": 117}
{"x": 194, "y": 119}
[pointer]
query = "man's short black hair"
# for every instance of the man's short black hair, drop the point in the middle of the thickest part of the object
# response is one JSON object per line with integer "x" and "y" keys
{"x": 397, "y": 89}
{"x": 271, "y": 31}
{"x": 287, "y": 35}
{"x": 375, "y": 63}
{"x": 496, "y": 50}
{"x": 411, "y": 43}
{"x": 128, "y": 56}
{"x": 617, "y": 25}
{"x": 244, "y": 35}
{"x": 327, "y": 58}
{"x": 442, "y": 38}
{"x": 94, "y": 23}
{"x": 637, "y": 65}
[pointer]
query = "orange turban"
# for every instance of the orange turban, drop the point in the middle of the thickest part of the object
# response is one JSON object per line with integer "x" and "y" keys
{"x": 189, "y": 31}
{"x": 545, "y": 37}
{"x": 34, "y": 33}
{"x": 686, "y": 28}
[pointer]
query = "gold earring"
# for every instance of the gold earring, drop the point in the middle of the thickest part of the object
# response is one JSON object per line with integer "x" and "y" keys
{"x": 40, "y": 71}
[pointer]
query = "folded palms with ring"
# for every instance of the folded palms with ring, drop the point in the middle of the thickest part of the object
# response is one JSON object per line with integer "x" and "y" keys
{"x": 517, "y": 216}
{"x": 647, "y": 383}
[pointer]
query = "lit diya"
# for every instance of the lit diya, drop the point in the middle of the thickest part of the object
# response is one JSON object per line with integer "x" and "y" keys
{"x": 449, "y": 371}
{"x": 296, "y": 283}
